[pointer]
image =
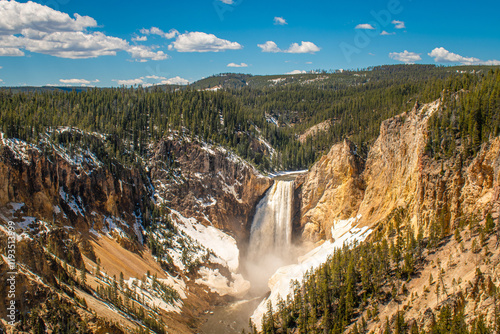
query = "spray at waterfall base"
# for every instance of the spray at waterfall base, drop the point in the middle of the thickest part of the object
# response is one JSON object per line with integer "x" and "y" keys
{"x": 270, "y": 246}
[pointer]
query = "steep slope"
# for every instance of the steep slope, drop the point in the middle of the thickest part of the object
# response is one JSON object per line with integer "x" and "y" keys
{"x": 393, "y": 166}
{"x": 413, "y": 203}
{"x": 120, "y": 247}
{"x": 399, "y": 174}
{"x": 330, "y": 191}
{"x": 208, "y": 183}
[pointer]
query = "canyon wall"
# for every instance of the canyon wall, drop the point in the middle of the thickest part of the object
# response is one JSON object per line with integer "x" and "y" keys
{"x": 399, "y": 174}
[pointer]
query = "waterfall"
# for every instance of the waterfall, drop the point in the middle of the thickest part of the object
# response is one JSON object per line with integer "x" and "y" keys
{"x": 271, "y": 233}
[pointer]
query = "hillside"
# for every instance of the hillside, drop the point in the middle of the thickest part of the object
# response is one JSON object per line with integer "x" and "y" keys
{"x": 102, "y": 243}
{"x": 131, "y": 208}
{"x": 429, "y": 265}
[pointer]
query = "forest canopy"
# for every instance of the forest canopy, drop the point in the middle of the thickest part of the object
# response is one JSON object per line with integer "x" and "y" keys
{"x": 266, "y": 111}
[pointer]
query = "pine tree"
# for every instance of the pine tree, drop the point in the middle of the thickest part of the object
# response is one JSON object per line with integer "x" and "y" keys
{"x": 83, "y": 274}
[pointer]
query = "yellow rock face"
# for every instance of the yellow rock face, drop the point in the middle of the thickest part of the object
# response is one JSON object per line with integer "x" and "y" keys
{"x": 332, "y": 190}
{"x": 399, "y": 175}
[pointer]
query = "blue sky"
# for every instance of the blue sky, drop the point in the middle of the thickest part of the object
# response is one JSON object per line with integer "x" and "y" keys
{"x": 108, "y": 43}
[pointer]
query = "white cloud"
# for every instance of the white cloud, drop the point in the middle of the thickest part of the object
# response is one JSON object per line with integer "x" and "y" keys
{"x": 41, "y": 29}
{"x": 130, "y": 82}
{"x": 296, "y": 72}
{"x": 175, "y": 81}
{"x": 398, "y": 24}
{"x": 441, "y": 55}
{"x": 279, "y": 21}
{"x": 70, "y": 44}
{"x": 304, "y": 47}
{"x": 405, "y": 56}
{"x": 139, "y": 38}
{"x": 15, "y": 17}
{"x": 269, "y": 46}
{"x": 385, "y": 33}
{"x": 144, "y": 53}
{"x": 309, "y": 62}
{"x": 365, "y": 26}
{"x": 77, "y": 81}
{"x": 490, "y": 62}
{"x": 154, "y": 77}
{"x": 227, "y": 2}
{"x": 1, "y": 80}
{"x": 157, "y": 31}
{"x": 10, "y": 52}
{"x": 237, "y": 65}
{"x": 152, "y": 80}
{"x": 202, "y": 42}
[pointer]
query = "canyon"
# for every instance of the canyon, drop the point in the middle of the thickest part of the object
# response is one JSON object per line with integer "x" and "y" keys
{"x": 213, "y": 218}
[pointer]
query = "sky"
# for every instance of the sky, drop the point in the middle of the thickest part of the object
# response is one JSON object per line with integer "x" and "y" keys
{"x": 112, "y": 43}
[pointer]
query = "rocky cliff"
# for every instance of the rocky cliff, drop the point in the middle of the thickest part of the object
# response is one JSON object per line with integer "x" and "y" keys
{"x": 208, "y": 183}
{"x": 331, "y": 190}
{"x": 82, "y": 220}
{"x": 399, "y": 174}
{"x": 75, "y": 190}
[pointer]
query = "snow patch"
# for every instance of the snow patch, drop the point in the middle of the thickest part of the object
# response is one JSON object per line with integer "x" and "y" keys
{"x": 343, "y": 233}
{"x": 72, "y": 202}
{"x": 221, "y": 244}
{"x": 94, "y": 232}
{"x": 19, "y": 147}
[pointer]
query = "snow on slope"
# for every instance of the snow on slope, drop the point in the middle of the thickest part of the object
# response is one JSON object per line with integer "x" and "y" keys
{"x": 344, "y": 232}
{"x": 222, "y": 245}
{"x": 225, "y": 252}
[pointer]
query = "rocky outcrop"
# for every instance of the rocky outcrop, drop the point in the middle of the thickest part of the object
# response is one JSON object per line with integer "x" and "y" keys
{"x": 208, "y": 183}
{"x": 82, "y": 193}
{"x": 332, "y": 190}
{"x": 481, "y": 191}
{"x": 399, "y": 175}
{"x": 393, "y": 165}
{"x": 77, "y": 212}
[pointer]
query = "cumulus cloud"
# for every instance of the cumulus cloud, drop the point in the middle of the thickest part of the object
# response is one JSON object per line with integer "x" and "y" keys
{"x": 269, "y": 46}
{"x": 41, "y": 29}
{"x": 279, "y": 21}
{"x": 129, "y": 82}
{"x": 441, "y": 55}
{"x": 365, "y": 26}
{"x": 405, "y": 56}
{"x": 144, "y": 53}
{"x": 237, "y": 65}
{"x": 175, "y": 81}
{"x": 398, "y": 24}
{"x": 139, "y": 38}
{"x": 385, "y": 33}
{"x": 304, "y": 47}
{"x": 152, "y": 80}
{"x": 15, "y": 17}
{"x": 157, "y": 31}
{"x": 10, "y": 52}
{"x": 68, "y": 44}
{"x": 77, "y": 81}
{"x": 202, "y": 42}
{"x": 296, "y": 72}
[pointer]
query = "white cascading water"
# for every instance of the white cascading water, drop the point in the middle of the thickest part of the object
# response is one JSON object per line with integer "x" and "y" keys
{"x": 270, "y": 235}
